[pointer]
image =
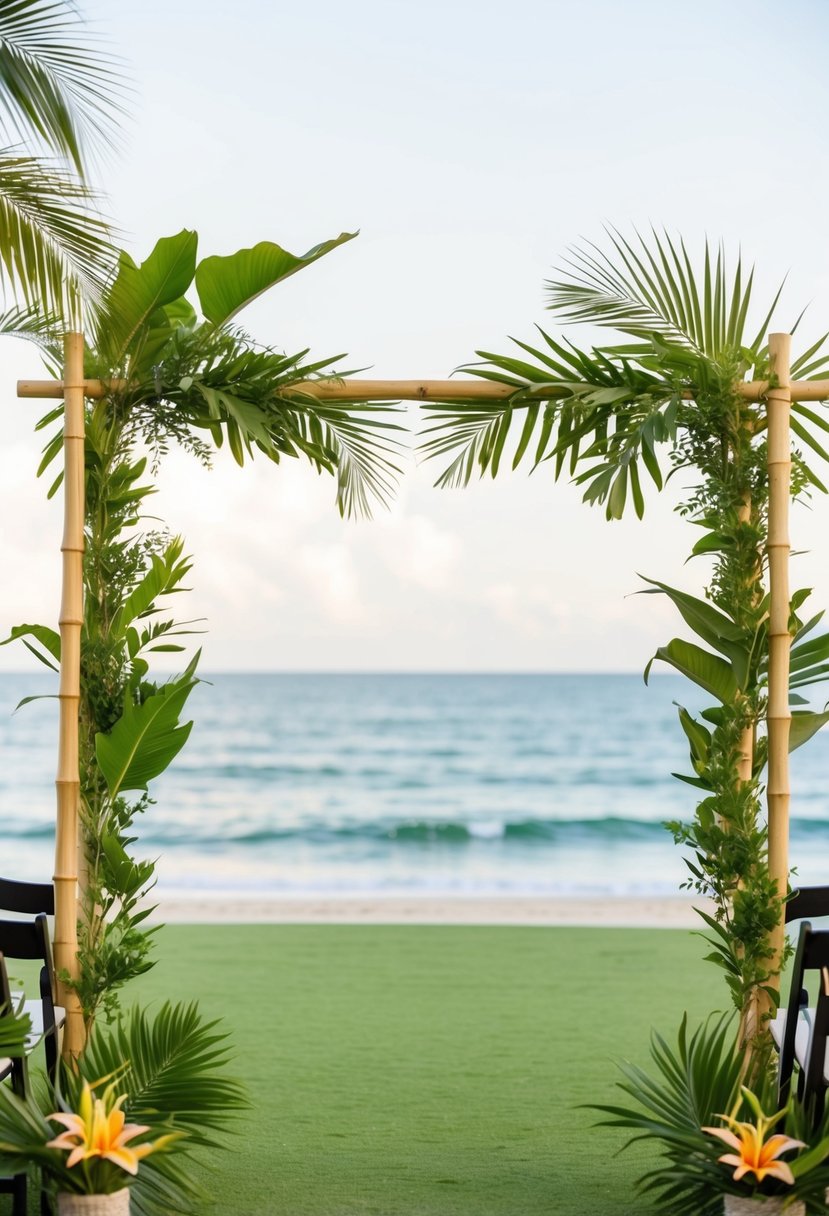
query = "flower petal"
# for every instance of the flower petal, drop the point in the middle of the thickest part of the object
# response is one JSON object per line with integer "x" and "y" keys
{"x": 64, "y": 1140}
{"x": 130, "y": 1130}
{"x": 775, "y": 1145}
{"x": 728, "y": 1137}
{"x": 73, "y": 1122}
{"x": 124, "y": 1157}
{"x": 777, "y": 1169}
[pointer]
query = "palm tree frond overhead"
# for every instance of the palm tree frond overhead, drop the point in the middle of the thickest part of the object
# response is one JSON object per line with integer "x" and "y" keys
{"x": 53, "y": 249}
{"x": 54, "y": 87}
{"x": 61, "y": 106}
{"x": 32, "y": 324}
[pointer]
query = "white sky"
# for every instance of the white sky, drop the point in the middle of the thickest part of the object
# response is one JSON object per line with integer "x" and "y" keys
{"x": 470, "y": 143}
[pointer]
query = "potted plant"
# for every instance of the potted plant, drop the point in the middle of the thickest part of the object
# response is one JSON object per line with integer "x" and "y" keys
{"x": 708, "y": 1163}
{"x": 94, "y": 1177}
{"x": 101, "y": 1136}
{"x": 763, "y": 1183}
{"x": 92, "y": 1162}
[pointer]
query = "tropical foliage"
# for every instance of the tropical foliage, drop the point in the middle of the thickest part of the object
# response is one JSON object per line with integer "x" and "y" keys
{"x": 60, "y": 106}
{"x": 15, "y": 1028}
{"x": 173, "y": 377}
{"x": 167, "y": 1076}
{"x": 97, "y": 1138}
{"x": 695, "y": 1087}
{"x": 665, "y": 400}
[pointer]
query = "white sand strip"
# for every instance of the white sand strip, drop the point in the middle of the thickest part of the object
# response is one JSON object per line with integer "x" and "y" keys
{"x": 663, "y": 913}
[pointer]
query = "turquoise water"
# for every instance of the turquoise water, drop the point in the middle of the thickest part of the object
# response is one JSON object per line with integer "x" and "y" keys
{"x": 466, "y": 784}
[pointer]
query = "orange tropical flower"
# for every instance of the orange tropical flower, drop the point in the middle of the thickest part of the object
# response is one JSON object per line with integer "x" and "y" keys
{"x": 755, "y": 1153}
{"x": 99, "y": 1129}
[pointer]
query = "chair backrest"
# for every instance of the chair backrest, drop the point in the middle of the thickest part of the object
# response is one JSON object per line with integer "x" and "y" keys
{"x": 804, "y": 904}
{"x": 811, "y": 955}
{"x": 29, "y": 939}
{"x": 815, "y": 1071}
{"x": 26, "y": 939}
{"x": 27, "y": 897}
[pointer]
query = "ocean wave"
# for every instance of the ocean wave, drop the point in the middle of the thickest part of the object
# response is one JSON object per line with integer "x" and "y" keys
{"x": 395, "y": 833}
{"x": 565, "y": 832}
{"x": 392, "y": 831}
{"x": 608, "y": 830}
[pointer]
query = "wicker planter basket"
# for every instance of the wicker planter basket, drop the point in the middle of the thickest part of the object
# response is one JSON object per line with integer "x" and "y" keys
{"x": 738, "y": 1205}
{"x": 116, "y": 1204}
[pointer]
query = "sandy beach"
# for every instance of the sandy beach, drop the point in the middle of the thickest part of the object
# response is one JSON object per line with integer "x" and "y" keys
{"x": 664, "y": 913}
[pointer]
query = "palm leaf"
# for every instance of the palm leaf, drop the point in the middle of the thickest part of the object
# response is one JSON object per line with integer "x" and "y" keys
{"x": 54, "y": 250}
{"x": 15, "y": 1027}
{"x": 31, "y": 323}
{"x": 645, "y": 287}
{"x": 615, "y": 406}
{"x": 54, "y": 87}
{"x": 177, "y": 1069}
{"x": 591, "y": 390}
{"x": 363, "y": 453}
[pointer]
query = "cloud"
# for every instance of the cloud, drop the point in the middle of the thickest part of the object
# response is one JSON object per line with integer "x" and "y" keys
{"x": 534, "y": 610}
{"x": 418, "y": 551}
{"x": 330, "y": 574}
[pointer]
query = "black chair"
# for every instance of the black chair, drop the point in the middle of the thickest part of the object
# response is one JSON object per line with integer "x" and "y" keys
{"x": 29, "y": 939}
{"x": 802, "y": 904}
{"x": 15, "y": 1070}
{"x": 28, "y": 898}
{"x": 800, "y": 1030}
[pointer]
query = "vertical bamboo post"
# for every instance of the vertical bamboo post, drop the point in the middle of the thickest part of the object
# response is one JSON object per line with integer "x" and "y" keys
{"x": 71, "y": 619}
{"x": 745, "y": 764}
{"x": 779, "y": 713}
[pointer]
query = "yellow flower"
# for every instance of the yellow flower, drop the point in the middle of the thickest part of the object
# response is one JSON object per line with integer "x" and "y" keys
{"x": 754, "y": 1153}
{"x": 99, "y": 1129}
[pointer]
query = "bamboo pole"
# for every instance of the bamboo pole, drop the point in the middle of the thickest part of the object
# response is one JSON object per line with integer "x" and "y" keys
{"x": 71, "y": 619}
{"x": 779, "y": 713}
{"x": 745, "y": 764}
{"x": 422, "y": 390}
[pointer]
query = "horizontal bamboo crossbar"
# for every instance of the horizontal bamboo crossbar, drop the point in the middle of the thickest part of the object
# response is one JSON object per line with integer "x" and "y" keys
{"x": 419, "y": 390}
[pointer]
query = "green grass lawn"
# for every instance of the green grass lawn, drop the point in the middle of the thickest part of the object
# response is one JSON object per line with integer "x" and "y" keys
{"x": 430, "y": 1071}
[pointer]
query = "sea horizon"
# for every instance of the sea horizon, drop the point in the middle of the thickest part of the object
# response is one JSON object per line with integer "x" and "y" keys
{"x": 403, "y": 783}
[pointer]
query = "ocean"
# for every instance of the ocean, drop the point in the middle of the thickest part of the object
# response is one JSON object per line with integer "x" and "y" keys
{"x": 405, "y": 784}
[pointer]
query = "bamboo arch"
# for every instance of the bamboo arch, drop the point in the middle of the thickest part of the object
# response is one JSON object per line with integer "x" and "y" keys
{"x": 75, "y": 389}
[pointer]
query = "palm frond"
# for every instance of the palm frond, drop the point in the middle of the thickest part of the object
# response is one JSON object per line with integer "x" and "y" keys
{"x": 594, "y": 406}
{"x": 220, "y": 380}
{"x": 644, "y": 287}
{"x": 165, "y": 1184}
{"x": 474, "y": 435}
{"x": 54, "y": 250}
{"x": 176, "y": 1069}
{"x": 55, "y": 87}
{"x": 355, "y": 442}
{"x": 15, "y": 1027}
{"x": 33, "y": 324}
{"x": 615, "y": 406}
